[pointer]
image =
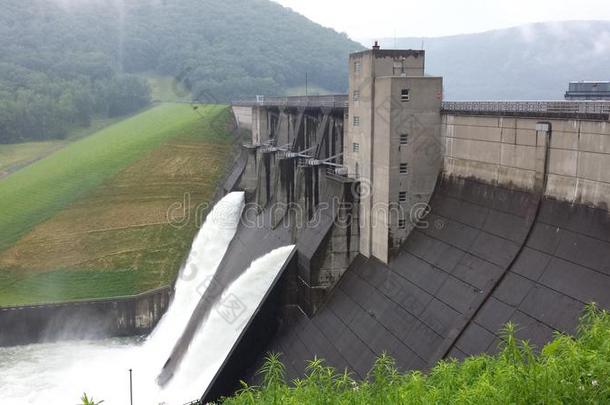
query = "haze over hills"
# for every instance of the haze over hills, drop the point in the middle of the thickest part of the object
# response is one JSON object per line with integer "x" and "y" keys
{"x": 64, "y": 61}
{"x": 530, "y": 62}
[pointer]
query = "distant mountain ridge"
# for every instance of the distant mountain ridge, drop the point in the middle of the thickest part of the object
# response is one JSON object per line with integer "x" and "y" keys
{"x": 529, "y": 62}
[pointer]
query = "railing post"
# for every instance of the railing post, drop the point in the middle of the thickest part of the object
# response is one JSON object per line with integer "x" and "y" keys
{"x": 130, "y": 387}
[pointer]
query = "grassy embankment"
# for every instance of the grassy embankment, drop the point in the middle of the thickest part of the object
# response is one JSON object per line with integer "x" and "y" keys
{"x": 567, "y": 371}
{"x": 90, "y": 220}
{"x": 16, "y": 156}
{"x": 164, "y": 89}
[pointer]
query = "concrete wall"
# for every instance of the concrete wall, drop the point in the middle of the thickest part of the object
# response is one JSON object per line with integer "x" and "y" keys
{"x": 329, "y": 243}
{"x": 91, "y": 319}
{"x": 502, "y": 150}
{"x": 420, "y": 120}
{"x": 243, "y": 117}
{"x": 260, "y": 125}
{"x": 358, "y": 145}
{"x": 377, "y": 116}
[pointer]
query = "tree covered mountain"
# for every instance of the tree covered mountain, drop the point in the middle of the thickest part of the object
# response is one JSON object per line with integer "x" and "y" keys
{"x": 530, "y": 62}
{"x": 64, "y": 61}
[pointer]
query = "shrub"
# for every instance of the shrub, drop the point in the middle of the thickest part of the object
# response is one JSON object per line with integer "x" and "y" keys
{"x": 567, "y": 370}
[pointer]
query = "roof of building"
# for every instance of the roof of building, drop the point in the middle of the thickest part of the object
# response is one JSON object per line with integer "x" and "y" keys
{"x": 391, "y": 53}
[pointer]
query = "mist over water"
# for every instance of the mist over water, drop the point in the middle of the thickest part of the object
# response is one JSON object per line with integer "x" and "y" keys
{"x": 59, "y": 373}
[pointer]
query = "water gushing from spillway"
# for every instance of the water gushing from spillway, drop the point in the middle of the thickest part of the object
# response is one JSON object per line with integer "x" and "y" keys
{"x": 224, "y": 325}
{"x": 207, "y": 251}
{"x": 59, "y": 373}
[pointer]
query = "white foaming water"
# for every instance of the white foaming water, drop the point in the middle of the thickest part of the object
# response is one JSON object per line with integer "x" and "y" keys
{"x": 207, "y": 251}
{"x": 214, "y": 340}
{"x": 59, "y": 373}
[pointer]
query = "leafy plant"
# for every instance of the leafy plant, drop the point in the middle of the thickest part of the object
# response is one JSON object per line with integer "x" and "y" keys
{"x": 567, "y": 370}
{"x": 85, "y": 400}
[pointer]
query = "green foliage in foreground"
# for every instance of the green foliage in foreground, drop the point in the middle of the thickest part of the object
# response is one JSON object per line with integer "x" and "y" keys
{"x": 89, "y": 401}
{"x": 568, "y": 370}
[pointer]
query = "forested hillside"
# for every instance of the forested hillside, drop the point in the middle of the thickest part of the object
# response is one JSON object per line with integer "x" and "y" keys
{"x": 63, "y": 62}
{"x": 55, "y": 74}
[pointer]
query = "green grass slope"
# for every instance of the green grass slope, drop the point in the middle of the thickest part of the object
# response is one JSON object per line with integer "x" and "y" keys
{"x": 40, "y": 190}
{"x": 15, "y": 156}
{"x": 91, "y": 220}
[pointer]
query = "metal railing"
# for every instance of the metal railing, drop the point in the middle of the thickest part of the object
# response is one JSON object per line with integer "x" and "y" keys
{"x": 332, "y": 101}
{"x": 589, "y": 108}
{"x": 596, "y": 109}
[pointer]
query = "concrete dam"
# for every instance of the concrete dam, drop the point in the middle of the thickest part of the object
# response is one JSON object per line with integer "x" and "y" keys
{"x": 421, "y": 226}
{"x": 384, "y": 220}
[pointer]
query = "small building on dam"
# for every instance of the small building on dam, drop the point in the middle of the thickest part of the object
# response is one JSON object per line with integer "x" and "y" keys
{"x": 422, "y": 226}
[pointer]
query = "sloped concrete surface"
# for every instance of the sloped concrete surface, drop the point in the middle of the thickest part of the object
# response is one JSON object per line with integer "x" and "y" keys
{"x": 482, "y": 259}
{"x": 565, "y": 265}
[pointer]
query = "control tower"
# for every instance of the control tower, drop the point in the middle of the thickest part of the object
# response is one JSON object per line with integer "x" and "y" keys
{"x": 392, "y": 143}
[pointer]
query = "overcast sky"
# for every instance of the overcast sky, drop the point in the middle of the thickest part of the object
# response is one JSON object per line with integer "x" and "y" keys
{"x": 385, "y": 18}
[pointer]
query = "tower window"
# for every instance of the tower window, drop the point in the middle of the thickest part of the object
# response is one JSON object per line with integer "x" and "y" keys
{"x": 402, "y": 196}
{"x": 356, "y": 121}
{"x": 404, "y": 139}
{"x": 357, "y": 67}
{"x": 404, "y": 168}
{"x": 404, "y": 95}
{"x": 402, "y": 224}
{"x": 356, "y": 95}
{"x": 355, "y": 147}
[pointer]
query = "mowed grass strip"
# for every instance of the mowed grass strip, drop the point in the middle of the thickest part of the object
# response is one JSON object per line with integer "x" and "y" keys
{"x": 15, "y": 155}
{"x": 18, "y": 155}
{"x": 116, "y": 240}
{"x": 40, "y": 190}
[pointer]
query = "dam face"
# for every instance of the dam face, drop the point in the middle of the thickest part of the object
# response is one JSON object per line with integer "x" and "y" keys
{"x": 454, "y": 218}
